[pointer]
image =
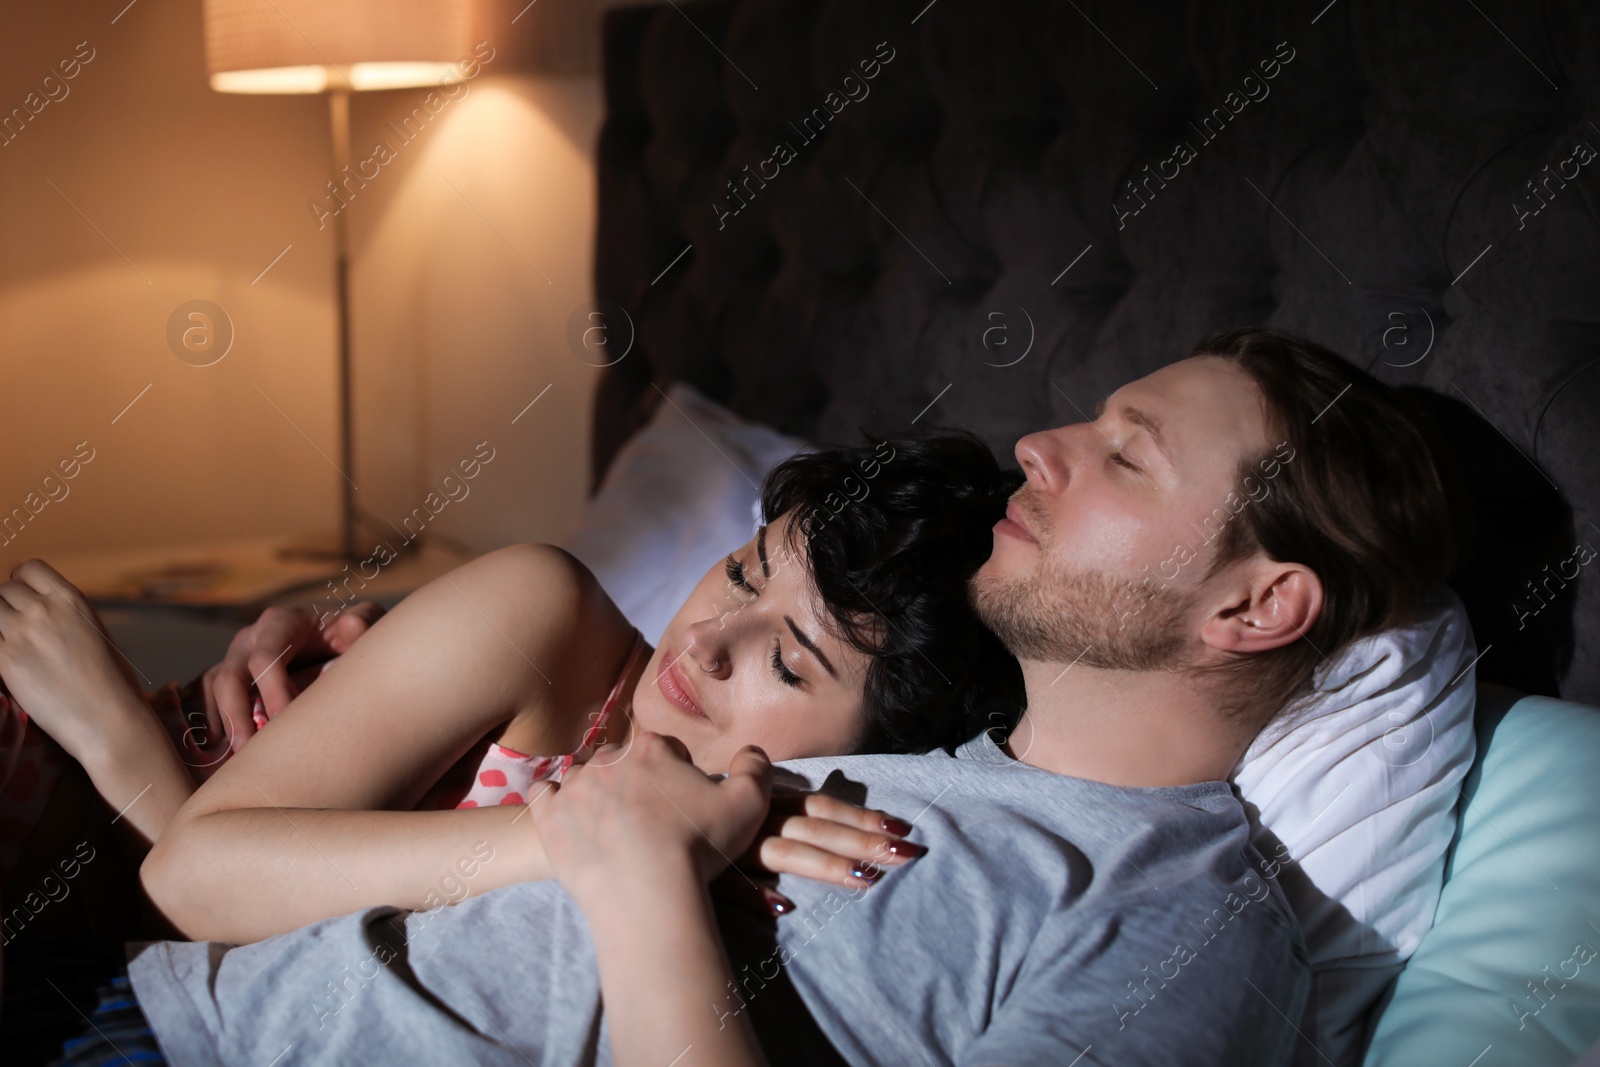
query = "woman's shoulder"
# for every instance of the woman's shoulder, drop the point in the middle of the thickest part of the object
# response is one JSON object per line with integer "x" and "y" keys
{"x": 560, "y": 587}
{"x": 562, "y": 619}
{"x": 547, "y": 570}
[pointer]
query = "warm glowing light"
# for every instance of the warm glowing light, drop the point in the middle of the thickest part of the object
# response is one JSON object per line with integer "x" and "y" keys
{"x": 271, "y": 80}
{"x": 316, "y": 79}
{"x": 401, "y": 75}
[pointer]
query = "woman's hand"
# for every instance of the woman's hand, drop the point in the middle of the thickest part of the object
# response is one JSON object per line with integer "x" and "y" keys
{"x": 261, "y": 654}
{"x": 820, "y": 837}
{"x": 631, "y": 816}
{"x": 66, "y": 674}
{"x": 59, "y": 665}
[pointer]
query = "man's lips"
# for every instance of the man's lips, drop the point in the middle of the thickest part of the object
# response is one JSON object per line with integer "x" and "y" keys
{"x": 675, "y": 686}
{"x": 1013, "y": 526}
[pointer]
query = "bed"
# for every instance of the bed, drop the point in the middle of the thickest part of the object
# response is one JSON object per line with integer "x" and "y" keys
{"x": 833, "y": 218}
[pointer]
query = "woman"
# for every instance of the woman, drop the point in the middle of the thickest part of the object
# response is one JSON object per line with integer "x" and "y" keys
{"x": 841, "y": 627}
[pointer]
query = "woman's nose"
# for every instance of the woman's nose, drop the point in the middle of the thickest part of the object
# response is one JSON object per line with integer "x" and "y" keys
{"x": 708, "y": 647}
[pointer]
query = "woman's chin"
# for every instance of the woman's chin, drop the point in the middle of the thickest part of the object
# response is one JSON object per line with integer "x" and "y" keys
{"x": 656, "y": 715}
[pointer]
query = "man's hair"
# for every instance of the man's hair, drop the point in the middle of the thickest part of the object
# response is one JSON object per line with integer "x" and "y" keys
{"x": 1364, "y": 501}
{"x": 891, "y": 534}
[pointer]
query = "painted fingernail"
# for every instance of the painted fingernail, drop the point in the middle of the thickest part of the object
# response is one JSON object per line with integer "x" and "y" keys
{"x": 866, "y": 872}
{"x": 780, "y": 904}
{"x": 897, "y": 827}
{"x": 909, "y": 849}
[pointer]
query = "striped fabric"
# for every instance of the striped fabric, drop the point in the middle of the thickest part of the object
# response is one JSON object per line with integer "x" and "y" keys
{"x": 69, "y": 1003}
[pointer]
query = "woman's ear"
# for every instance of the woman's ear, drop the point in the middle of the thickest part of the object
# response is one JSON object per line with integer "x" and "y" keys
{"x": 1265, "y": 605}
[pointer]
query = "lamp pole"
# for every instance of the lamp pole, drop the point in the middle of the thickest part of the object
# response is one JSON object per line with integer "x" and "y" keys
{"x": 339, "y": 123}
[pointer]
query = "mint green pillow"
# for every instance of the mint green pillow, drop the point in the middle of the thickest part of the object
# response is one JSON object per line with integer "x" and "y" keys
{"x": 1510, "y": 972}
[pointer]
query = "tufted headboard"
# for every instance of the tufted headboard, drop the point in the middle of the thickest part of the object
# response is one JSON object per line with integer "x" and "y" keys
{"x": 841, "y": 216}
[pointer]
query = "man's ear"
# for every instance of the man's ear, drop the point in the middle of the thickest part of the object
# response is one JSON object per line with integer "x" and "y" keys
{"x": 1263, "y": 604}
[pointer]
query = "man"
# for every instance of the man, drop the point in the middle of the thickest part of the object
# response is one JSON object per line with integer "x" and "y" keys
{"x": 1168, "y": 576}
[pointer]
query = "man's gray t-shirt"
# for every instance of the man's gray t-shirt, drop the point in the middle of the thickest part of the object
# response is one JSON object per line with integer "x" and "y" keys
{"x": 1053, "y": 921}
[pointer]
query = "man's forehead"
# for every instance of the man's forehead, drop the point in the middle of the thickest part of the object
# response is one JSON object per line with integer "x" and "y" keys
{"x": 1198, "y": 386}
{"x": 1198, "y": 400}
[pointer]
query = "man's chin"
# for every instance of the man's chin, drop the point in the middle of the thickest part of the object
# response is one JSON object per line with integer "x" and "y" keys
{"x": 1053, "y": 615}
{"x": 1001, "y": 602}
{"x": 985, "y": 582}
{"x": 1005, "y": 564}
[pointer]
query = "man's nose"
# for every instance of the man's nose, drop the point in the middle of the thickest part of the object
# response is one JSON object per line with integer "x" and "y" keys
{"x": 1045, "y": 459}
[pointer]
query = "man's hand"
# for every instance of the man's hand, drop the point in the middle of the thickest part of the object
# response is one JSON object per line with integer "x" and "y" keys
{"x": 261, "y": 655}
{"x": 616, "y": 825}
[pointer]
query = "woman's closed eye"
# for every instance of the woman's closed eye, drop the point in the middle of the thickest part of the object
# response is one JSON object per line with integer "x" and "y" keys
{"x": 1122, "y": 461}
{"x": 736, "y": 577}
{"x": 740, "y": 581}
{"x": 781, "y": 669}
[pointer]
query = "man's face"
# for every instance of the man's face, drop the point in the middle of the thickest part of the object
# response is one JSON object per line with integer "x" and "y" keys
{"x": 1103, "y": 551}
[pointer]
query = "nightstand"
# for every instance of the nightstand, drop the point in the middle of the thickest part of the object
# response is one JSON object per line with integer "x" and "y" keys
{"x": 176, "y": 637}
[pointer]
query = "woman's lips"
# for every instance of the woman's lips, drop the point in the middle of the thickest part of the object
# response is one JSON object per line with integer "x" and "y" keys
{"x": 674, "y": 685}
{"x": 1011, "y": 525}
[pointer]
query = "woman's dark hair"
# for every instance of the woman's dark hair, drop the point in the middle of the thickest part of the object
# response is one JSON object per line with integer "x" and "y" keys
{"x": 1368, "y": 498}
{"x": 891, "y": 533}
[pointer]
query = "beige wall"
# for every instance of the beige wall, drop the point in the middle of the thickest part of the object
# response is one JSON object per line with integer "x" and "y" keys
{"x": 454, "y": 329}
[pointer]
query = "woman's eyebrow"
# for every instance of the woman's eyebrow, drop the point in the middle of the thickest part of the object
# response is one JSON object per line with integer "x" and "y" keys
{"x": 761, "y": 551}
{"x": 810, "y": 646}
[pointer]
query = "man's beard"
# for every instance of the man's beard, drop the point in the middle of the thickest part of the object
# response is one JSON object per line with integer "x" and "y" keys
{"x": 1058, "y": 614}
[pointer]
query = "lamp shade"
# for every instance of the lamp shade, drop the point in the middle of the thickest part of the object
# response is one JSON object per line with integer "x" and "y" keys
{"x": 308, "y": 46}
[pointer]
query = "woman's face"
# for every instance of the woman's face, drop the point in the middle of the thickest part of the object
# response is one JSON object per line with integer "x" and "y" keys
{"x": 750, "y": 659}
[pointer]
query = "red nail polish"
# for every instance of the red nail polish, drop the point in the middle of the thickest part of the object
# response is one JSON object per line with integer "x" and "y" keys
{"x": 866, "y": 872}
{"x": 897, "y": 827}
{"x": 780, "y": 905}
{"x": 909, "y": 849}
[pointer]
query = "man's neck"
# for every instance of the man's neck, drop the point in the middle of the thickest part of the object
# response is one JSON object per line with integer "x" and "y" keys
{"x": 1127, "y": 728}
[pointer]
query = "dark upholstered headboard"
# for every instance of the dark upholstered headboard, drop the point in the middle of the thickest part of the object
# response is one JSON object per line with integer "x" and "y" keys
{"x": 1027, "y": 204}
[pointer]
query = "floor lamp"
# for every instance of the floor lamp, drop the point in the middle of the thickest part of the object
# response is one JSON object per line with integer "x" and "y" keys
{"x": 336, "y": 47}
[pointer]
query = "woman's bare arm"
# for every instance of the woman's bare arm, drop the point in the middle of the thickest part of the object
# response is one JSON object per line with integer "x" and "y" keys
{"x": 637, "y": 868}
{"x": 293, "y": 828}
{"x": 65, "y": 673}
{"x": 668, "y": 930}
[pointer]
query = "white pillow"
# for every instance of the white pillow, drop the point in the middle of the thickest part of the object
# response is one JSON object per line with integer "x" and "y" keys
{"x": 1352, "y": 796}
{"x": 681, "y": 493}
